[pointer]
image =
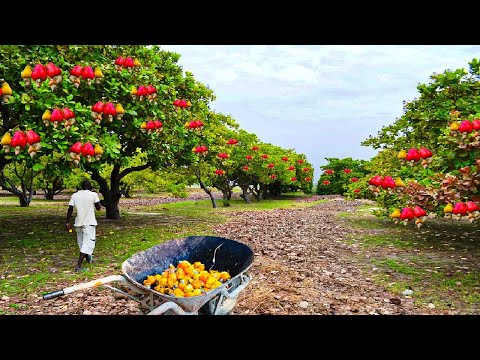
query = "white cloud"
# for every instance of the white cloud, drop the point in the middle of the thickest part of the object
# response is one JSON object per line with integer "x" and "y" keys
{"x": 322, "y": 100}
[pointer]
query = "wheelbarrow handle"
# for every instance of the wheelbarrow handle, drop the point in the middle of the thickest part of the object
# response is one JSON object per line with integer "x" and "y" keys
{"x": 53, "y": 294}
{"x": 83, "y": 286}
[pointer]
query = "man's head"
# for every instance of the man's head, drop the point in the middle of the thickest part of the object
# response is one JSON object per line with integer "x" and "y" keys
{"x": 86, "y": 185}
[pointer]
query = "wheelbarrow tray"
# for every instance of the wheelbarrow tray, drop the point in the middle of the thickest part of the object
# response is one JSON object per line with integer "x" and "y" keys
{"x": 215, "y": 253}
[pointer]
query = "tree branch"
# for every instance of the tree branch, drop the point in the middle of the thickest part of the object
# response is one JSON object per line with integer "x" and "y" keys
{"x": 100, "y": 180}
{"x": 30, "y": 192}
{"x": 133, "y": 169}
{"x": 9, "y": 185}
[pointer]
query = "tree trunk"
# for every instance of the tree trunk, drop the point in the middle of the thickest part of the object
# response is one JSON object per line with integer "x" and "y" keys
{"x": 24, "y": 201}
{"x": 111, "y": 195}
{"x": 245, "y": 194}
{"x": 112, "y": 210}
{"x": 209, "y": 193}
{"x": 57, "y": 187}
{"x": 125, "y": 190}
{"x": 49, "y": 193}
{"x": 25, "y": 194}
{"x": 226, "y": 198}
{"x": 263, "y": 192}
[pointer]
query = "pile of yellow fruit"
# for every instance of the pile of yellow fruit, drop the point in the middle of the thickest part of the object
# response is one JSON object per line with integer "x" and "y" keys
{"x": 186, "y": 280}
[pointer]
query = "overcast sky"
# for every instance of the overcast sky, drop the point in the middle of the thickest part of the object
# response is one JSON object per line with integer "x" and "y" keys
{"x": 321, "y": 100}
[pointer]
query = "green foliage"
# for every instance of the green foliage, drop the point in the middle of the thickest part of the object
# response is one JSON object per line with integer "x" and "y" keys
{"x": 340, "y": 182}
{"x": 451, "y": 97}
{"x": 119, "y": 139}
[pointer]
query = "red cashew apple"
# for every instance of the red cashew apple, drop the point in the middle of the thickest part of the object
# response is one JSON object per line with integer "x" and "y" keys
{"x": 466, "y": 127}
{"x": 413, "y": 155}
{"x": 407, "y": 214}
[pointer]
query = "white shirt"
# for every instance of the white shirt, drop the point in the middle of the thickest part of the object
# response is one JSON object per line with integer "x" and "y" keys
{"x": 84, "y": 200}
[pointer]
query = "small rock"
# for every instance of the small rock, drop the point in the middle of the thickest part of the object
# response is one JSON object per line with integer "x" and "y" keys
{"x": 431, "y": 306}
{"x": 407, "y": 292}
{"x": 87, "y": 312}
{"x": 303, "y": 304}
{"x": 5, "y": 297}
{"x": 458, "y": 283}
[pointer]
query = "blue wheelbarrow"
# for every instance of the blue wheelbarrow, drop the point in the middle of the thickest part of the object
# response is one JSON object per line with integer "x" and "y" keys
{"x": 215, "y": 252}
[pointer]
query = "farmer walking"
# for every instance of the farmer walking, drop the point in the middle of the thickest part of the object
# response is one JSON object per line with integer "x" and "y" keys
{"x": 86, "y": 201}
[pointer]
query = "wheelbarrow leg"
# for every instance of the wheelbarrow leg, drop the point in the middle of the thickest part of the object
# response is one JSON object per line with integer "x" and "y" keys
{"x": 170, "y": 306}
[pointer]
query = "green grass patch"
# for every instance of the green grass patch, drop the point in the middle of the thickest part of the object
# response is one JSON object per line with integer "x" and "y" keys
{"x": 440, "y": 261}
{"x": 203, "y": 208}
{"x": 398, "y": 267}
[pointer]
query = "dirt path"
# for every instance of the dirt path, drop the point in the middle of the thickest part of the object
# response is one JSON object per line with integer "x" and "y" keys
{"x": 302, "y": 266}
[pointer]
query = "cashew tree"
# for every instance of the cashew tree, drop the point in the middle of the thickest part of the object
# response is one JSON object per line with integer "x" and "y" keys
{"x": 91, "y": 106}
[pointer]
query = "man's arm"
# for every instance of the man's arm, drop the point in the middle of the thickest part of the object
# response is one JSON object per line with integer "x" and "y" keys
{"x": 97, "y": 204}
{"x": 69, "y": 216}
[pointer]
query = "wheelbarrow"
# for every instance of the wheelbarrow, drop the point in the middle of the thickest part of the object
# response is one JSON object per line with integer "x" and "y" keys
{"x": 215, "y": 253}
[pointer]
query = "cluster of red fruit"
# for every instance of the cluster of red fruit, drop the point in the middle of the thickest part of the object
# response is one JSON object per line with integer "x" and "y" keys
{"x": 182, "y": 103}
{"x": 293, "y": 179}
{"x": 219, "y": 172}
{"x": 465, "y": 127}
{"x": 40, "y": 73}
{"x": 386, "y": 183}
{"x": 326, "y": 182}
{"x": 108, "y": 109}
{"x": 87, "y": 150}
{"x": 285, "y": 158}
{"x": 5, "y": 92}
{"x": 194, "y": 125}
{"x": 200, "y": 150}
{"x": 329, "y": 172}
{"x": 151, "y": 126}
{"x": 246, "y": 168}
{"x": 414, "y": 155}
{"x": 249, "y": 157}
{"x": 300, "y": 161}
{"x": 265, "y": 156}
{"x": 20, "y": 141}
{"x": 306, "y": 169}
{"x": 273, "y": 176}
{"x": 255, "y": 148}
{"x": 143, "y": 92}
{"x": 347, "y": 171}
{"x": 354, "y": 179}
{"x": 223, "y": 155}
{"x": 308, "y": 178}
{"x": 469, "y": 209}
{"x": 232, "y": 142}
{"x": 270, "y": 166}
{"x": 86, "y": 73}
{"x": 126, "y": 62}
{"x": 57, "y": 116}
{"x": 408, "y": 214}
